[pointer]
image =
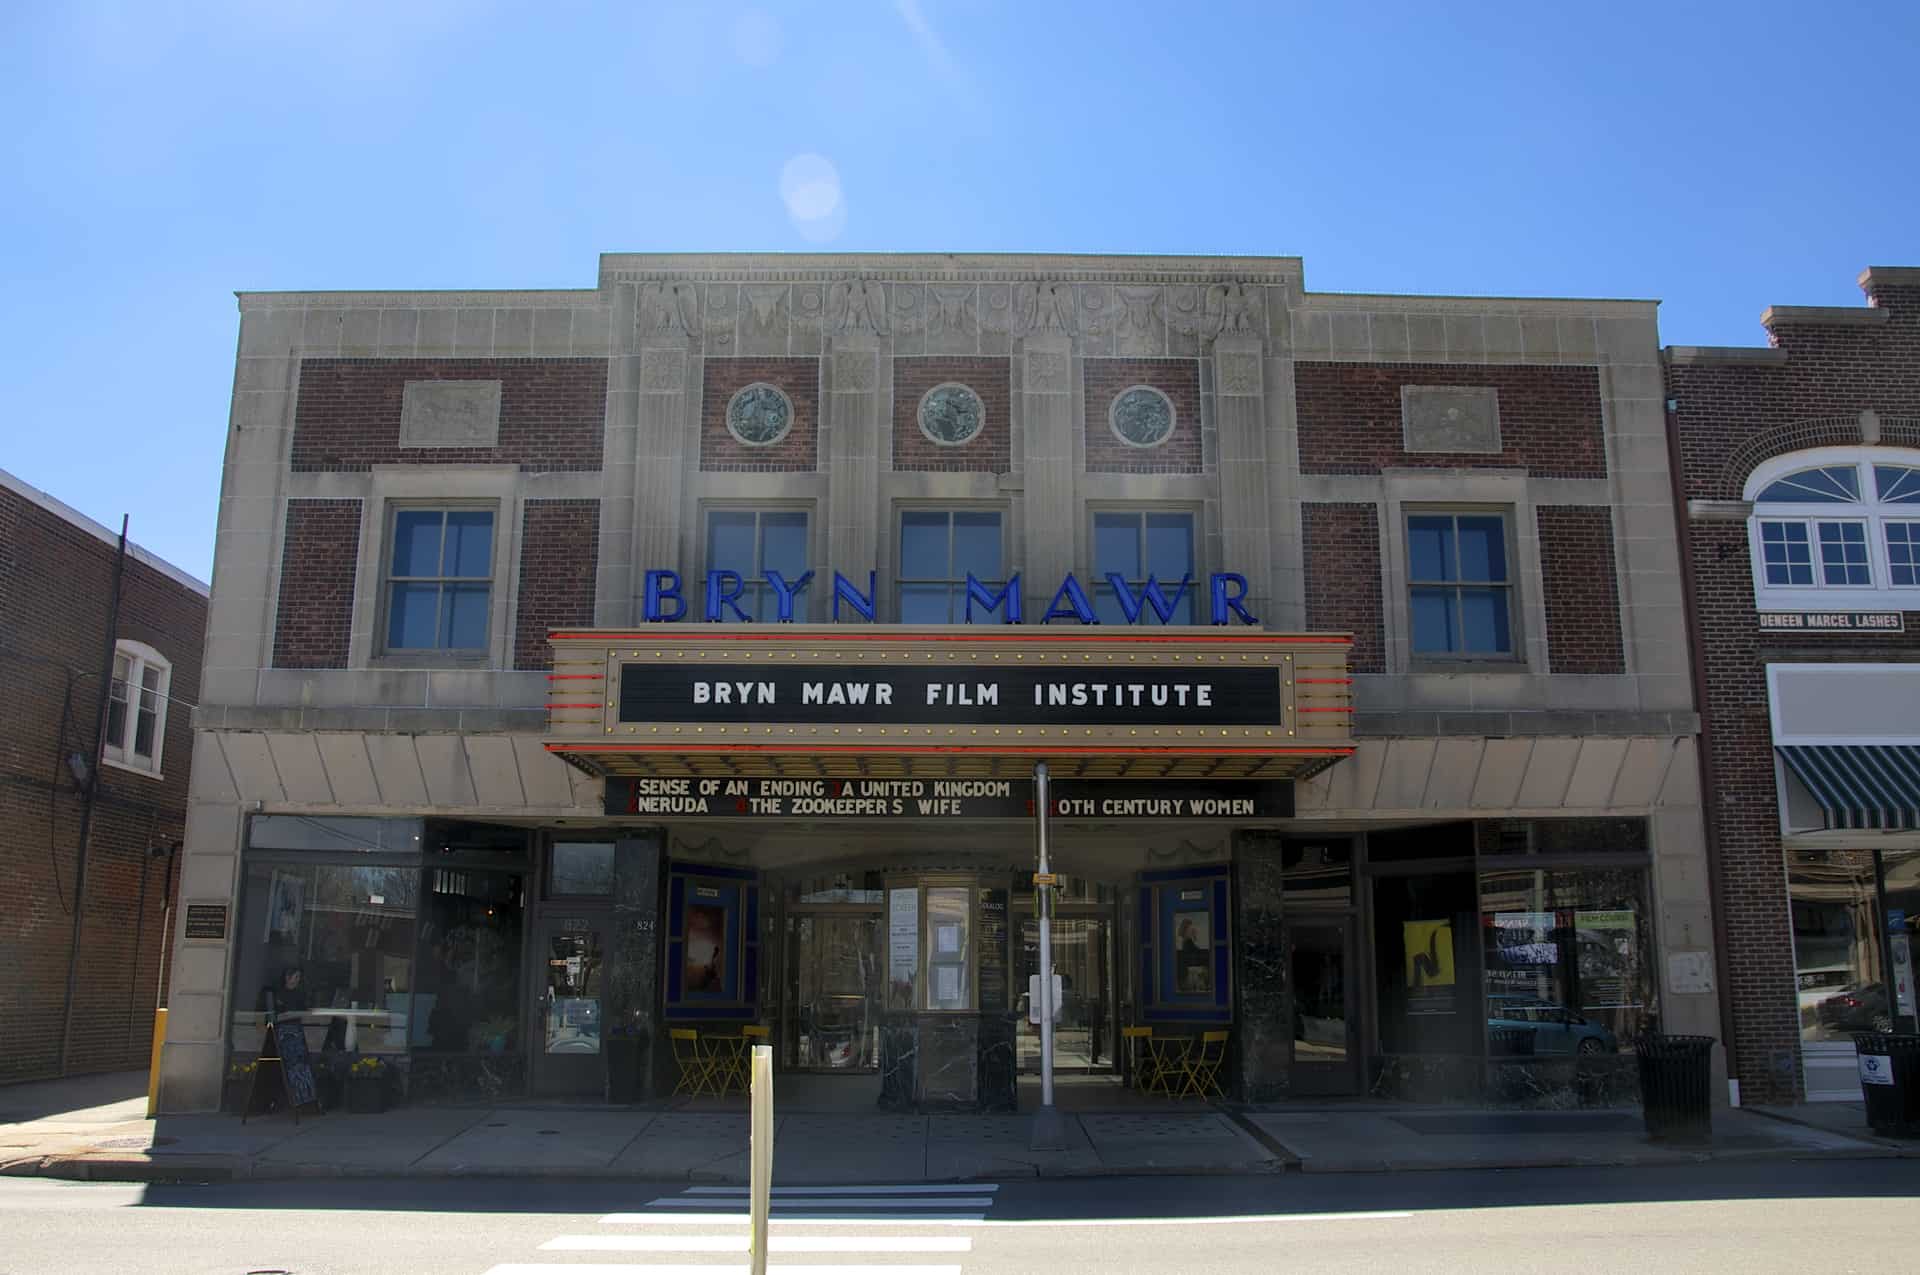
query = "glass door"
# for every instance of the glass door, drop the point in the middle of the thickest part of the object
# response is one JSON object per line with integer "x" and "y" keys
{"x": 567, "y": 1017}
{"x": 1083, "y": 1035}
{"x": 833, "y": 991}
{"x": 1319, "y": 966}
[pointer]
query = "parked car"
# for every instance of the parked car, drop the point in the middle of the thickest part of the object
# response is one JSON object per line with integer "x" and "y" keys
{"x": 1857, "y": 1009}
{"x": 1554, "y": 1029}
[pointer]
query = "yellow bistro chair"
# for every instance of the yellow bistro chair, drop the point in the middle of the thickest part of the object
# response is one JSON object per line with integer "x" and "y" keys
{"x": 733, "y": 1057}
{"x": 1200, "y": 1068}
{"x": 697, "y": 1066}
{"x": 750, "y": 1035}
{"x": 1146, "y": 1065}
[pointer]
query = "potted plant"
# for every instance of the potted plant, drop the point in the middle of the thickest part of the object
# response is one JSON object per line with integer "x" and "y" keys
{"x": 367, "y": 1086}
{"x": 233, "y": 1095}
{"x": 625, "y": 1048}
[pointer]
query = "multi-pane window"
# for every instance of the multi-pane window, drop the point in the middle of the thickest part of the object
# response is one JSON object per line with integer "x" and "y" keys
{"x": 752, "y": 542}
{"x": 137, "y": 707}
{"x": 1460, "y": 585}
{"x": 1138, "y": 546}
{"x": 439, "y": 579}
{"x": 1837, "y": 525}
{"x": 939, "y": 549}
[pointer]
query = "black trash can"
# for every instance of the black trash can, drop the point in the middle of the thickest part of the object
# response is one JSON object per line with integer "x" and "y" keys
{"x": 1890, "y": 1082}
{"x": 1676, "y": 1080}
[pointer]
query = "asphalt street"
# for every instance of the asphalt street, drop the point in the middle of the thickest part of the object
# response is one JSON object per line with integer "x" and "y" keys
{"x": 1831, "y": 1216}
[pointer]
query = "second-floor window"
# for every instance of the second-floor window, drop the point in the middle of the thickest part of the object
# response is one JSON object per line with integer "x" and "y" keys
{"x": 751, "y": 542}
{"x": 1460, "y": 585}
{"x": 939, "y": 548}
{"x": 439, "y": 580}
{"x": 137, "y": 707}
{"x": 1137, "y": 545}
{"x": 1836, "y": 526}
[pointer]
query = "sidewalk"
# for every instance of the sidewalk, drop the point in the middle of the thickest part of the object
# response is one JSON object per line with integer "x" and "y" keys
{"x": 89, "y": 1129}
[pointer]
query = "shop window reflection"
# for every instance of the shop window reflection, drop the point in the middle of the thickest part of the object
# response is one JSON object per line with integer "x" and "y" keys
{"x": 1837, "y": 952}
{"x": 333, "y": 944}
{"x": 1565, "y": 960}
{"x": 471, "y": 924}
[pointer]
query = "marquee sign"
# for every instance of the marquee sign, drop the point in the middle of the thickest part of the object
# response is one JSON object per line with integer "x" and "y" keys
{"x": 948, "y": 702}
{"x": 693, "y": 797}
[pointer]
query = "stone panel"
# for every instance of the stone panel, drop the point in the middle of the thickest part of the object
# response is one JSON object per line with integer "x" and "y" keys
{"x": 1447, "y": 418}
{"x": 450, "y": 414}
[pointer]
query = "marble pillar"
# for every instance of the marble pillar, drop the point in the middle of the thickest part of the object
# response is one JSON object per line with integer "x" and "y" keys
{"x": 899, "y": 1062}
{"x": 1262, "y": 1047}
{"x": 632, "y": 995}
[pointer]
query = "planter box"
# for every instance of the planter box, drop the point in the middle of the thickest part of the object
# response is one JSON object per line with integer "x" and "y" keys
{"x": 366, "y": 1096}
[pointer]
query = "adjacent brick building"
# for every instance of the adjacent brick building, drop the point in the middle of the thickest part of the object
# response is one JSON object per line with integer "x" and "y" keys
{"x": 56, "y": 587}
{"x": 458, "y": 529}
{"x": 1800, "y": 467}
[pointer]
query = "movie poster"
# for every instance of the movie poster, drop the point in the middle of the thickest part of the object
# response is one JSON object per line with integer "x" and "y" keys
{"x": 703, "y": 968}
{"x": 1608, "y": 960}
{"x": 1430, "y": 969}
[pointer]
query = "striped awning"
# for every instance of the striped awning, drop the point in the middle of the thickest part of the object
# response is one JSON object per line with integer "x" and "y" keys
{"x": 1860, "y": 785}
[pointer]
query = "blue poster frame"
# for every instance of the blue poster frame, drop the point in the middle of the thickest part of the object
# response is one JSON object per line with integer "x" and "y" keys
{"x": 1162, "y": 1001}
{"x": 736, "y": 891}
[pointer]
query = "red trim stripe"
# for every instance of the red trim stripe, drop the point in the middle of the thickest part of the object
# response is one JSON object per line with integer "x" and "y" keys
{"x": 592, "y": 705}
{"x": 575, "y": 677}
{"x": 1324, "y": 681}
{"x": 878, "y": 746}
{"x": 986, "y": 635}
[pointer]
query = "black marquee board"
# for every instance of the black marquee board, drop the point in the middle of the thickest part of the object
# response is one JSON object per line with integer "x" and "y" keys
{"x": 284, "y": 1047}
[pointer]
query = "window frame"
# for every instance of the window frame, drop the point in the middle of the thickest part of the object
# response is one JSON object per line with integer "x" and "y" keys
{"x": 1516, "y": 631}
{"x": 756, "y": 585}
{"x": 956, "y": 585}
{"x": 119, "y": 752}
{"x": 1870, "y": 512}
{"x": 383, "y": 610}
{"x": 1096, "y": 580}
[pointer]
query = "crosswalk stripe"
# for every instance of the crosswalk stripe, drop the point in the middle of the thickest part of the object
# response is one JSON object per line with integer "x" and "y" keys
{"x": 930, "y": 1188}
{"x": 791, "y": 1219}
{"x": 776, "y": 1244}
{"x": 676, "y": 1268}
{"x": 835, "y": 1202}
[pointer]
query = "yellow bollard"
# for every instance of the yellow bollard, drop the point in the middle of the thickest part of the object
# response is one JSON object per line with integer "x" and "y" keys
{"x": 760, "y": 1156}
{"x": 153, "y": 1063}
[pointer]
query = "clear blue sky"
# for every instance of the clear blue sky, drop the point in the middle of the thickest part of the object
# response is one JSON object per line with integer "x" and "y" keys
{"x": 1720, "y": 157}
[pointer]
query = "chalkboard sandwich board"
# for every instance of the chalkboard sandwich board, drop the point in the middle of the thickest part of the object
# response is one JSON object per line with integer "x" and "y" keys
{"x": 283, "y": 1074}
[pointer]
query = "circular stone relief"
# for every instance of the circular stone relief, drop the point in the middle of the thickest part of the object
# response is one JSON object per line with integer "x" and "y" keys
{"x": 759, "y": 415}
{"x": 1141, "y": 416}
{"x": 951, "y": 414}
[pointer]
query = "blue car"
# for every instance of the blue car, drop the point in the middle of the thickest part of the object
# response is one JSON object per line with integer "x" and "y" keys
{"x": 1549, "y": 1028}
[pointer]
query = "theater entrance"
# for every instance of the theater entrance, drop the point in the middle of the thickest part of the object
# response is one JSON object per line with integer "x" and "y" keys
{"x": 1084, "y": 954}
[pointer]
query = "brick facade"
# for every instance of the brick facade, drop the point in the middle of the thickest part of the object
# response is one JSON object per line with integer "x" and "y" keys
{"x": 55, "y": 583}
{"x": 799, "y": 379}
{"x": 1730, "y": 415}
{"x": 1340, "y": 555}
{"x": 1582, "y": 589}
{"x": 1349, "y": 418}
{"x": 1179, "y": 380}
{"x": 313, "y": 622}
{"x": 559, "y": 553}
{"x": 552, "y": 413}
{"x": 988, "y": 451}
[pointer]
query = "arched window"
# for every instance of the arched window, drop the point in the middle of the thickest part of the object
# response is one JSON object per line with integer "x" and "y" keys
{"x": 137, "y": 707}
{"x": 1837, "y": 527}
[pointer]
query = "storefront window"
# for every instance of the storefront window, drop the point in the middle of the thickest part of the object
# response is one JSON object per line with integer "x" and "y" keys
{"x": 468, "y": 1000}
{"x": 1837, "y": 953}
{"x": 1425, "y": 963}
{"x": 1566, "y": 960}
{"x": 333, "y": 943}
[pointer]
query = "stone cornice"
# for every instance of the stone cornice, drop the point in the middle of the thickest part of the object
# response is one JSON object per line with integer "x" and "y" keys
{"x": 941, "y": 267}
{"x": 532, "y": 299}
{"x": 1531, "y": 307}
{"x": 1724, "y": 355}
{"x": 1824, "y": 316}
{"x": 1890, "y": 276}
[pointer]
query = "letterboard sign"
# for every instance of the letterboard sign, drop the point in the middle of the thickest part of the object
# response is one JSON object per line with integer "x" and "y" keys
{"x": 1059, "y": 695}
{"x": 886, "y": 799}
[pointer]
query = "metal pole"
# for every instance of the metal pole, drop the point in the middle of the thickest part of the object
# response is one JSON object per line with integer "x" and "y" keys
{"x": 1043, "y": 908}
{"x": 760, "y": 1157}
{"x": 1049, "y": 1133}
{"x": 93, "y": 790}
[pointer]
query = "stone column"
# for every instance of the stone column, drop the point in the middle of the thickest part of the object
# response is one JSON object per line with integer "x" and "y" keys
{"x": 853, "y": 434}
{"x": 613, "y": 593}
{"x": 665, "y": 436}
{"x": 1046, "y": 407}
{"x": 1240, "y": 426}
{"x": 1262, "y": 1030}
{"x": 633, "y": 963}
